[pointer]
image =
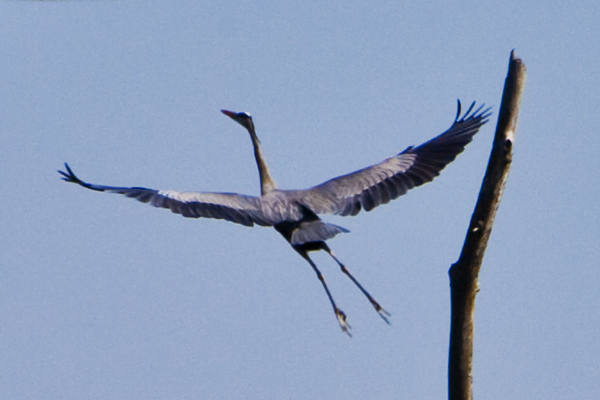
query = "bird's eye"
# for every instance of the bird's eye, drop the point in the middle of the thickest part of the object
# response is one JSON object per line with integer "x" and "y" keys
{"x": 244, "y": 115}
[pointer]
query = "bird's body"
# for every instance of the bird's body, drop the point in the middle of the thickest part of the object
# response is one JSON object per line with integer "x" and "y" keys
{"x": 294, "y": 213}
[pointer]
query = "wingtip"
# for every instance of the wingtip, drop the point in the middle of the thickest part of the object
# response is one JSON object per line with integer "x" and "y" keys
{"x": 69, "y": 169}
{"x": 69, "y": 176}
{"x": 458, "y": 106}
{"x": 479, "y": 112}
{"x": 64, "y": 174}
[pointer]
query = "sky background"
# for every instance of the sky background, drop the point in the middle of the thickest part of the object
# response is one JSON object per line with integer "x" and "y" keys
{"x": 102, "y": 297}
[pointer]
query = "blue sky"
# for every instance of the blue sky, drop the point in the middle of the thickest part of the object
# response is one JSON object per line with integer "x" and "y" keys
{"x": 103, "y": 297}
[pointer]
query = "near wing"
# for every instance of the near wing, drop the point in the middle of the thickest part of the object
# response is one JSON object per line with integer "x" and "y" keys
{"x": 380, "y": 183}
{"x": 232, "y": 207}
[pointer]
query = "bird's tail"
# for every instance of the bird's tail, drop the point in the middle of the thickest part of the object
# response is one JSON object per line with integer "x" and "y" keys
{"x": 315, "y": 231}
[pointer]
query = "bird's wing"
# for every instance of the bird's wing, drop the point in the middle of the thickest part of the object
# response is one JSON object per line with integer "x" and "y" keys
{"x": 241, "y": 209}
{"x": 380, "y": 183}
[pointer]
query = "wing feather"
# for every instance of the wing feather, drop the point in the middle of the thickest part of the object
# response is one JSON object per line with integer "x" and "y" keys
{"x": 393, "y": 177}
{"x": 241, "y": 209}
{"x": 344, "y": 195}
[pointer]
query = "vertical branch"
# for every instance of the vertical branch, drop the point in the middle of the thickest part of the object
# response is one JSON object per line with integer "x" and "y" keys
{"x": 464, "y": 273}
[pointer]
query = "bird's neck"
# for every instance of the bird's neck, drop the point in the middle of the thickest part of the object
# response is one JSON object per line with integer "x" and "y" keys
{"x": 267, "y": 184}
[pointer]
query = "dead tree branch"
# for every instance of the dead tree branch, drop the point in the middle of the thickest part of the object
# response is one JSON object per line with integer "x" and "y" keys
{"x": 464, "y": 273}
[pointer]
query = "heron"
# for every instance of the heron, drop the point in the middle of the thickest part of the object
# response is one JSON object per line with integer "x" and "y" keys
{"x": 295, "y": 213}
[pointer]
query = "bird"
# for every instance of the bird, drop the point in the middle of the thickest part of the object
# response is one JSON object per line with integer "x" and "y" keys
{"x": 295, "y": 213}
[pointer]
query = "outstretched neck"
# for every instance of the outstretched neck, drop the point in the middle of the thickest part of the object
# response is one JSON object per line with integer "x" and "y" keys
{"x": 267, "y": 184}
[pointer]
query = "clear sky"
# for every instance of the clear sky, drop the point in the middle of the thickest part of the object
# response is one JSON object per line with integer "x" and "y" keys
{"x": 102, "y": 297}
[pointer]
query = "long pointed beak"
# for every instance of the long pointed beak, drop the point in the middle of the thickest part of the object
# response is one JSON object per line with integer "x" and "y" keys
{"x": 230, "y": 114}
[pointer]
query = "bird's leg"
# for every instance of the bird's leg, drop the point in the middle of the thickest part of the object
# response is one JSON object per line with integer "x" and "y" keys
{"x": 341, "y": 317}
{"x": 382, "y": 313}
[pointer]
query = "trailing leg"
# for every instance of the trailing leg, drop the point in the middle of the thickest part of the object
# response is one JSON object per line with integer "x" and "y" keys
{"x": 341, "y": 317}
{"x": 382, "y": 313}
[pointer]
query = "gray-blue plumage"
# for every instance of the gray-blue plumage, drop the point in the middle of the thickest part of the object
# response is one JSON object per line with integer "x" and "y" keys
{"x": 294, "y": 213}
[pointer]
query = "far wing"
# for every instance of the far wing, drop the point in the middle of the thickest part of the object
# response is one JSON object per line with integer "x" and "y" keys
{"x": 380, "y": 183}
{"x": 232, "y": 207}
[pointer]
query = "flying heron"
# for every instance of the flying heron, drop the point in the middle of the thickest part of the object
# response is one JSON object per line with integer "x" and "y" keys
{"x": 295, "y": 213}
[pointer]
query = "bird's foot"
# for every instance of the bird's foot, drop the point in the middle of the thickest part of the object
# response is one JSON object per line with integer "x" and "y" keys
{"x": 342, "y": 320}
{"x": 382, "y": 313}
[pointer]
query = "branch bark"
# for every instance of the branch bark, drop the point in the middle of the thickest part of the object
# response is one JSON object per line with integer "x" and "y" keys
{"x": 464, "y": 273}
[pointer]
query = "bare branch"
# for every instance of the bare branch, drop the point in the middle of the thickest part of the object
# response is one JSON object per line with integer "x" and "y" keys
{"x": 464, "y": 273}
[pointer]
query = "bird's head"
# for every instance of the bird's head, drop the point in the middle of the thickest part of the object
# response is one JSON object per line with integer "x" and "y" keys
{"x": 242, "y": 118}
